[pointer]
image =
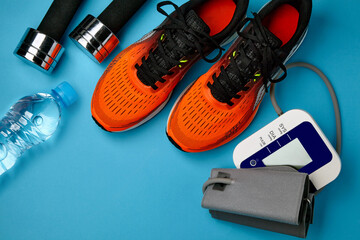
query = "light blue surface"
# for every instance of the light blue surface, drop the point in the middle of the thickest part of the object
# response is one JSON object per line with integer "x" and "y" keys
{"x": 89, "y": 184}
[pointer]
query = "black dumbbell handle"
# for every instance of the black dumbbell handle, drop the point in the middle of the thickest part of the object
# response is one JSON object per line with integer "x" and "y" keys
{"x": 58, "y": 18}
{"x": 118, "y": 13}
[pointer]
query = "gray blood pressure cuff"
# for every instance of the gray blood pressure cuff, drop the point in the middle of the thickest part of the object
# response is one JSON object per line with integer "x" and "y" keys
{"x": 274, "y": 198}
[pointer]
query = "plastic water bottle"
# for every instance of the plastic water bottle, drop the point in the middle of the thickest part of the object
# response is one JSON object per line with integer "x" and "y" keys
{"x": 31, "y": 121}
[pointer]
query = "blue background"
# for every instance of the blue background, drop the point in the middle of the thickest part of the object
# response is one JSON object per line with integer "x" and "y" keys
{"x": 85, "y": 183}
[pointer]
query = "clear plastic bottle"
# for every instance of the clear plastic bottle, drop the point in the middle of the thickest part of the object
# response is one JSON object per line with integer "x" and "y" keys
{"x": 31, "y": 121}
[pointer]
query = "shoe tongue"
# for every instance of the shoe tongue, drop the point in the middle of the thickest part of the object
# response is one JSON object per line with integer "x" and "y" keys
{"x": 194, "y": 22}
{"x": 275, "y": 43}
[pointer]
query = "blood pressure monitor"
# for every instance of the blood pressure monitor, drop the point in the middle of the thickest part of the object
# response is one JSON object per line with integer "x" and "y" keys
{"x": 293, "y": 139}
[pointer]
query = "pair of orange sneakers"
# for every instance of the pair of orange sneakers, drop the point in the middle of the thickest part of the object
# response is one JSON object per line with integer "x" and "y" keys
{"x": 219, "y": 105}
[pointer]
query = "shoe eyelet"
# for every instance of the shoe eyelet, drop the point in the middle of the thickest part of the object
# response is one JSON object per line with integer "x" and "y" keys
{"x": 233, "y": 55}
{"x": 257, "y": 75}
{"x": 182, "y": 61}
{"x": 163, "y": 37}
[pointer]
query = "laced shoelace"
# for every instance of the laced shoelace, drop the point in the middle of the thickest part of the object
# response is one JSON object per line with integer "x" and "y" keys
{"x": 246, "y": 69}
{"x": 150, "y": 69}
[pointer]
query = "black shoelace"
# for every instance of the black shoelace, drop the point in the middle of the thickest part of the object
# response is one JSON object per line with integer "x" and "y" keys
{"x": 150, "y": 69}
{"x": 257, "y": 59}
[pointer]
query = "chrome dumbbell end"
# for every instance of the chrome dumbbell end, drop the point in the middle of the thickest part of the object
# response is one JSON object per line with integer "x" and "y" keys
{"x": 41, "y": 47}
{"x": 94, "y": 38}
{"x": 39, "y": 50}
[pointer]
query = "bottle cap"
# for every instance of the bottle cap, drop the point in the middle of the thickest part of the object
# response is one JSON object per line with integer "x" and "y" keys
{"x": 66, "y": 94}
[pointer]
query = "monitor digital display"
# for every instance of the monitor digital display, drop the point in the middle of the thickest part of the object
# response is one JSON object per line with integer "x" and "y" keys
{"x": 293, "y": 154}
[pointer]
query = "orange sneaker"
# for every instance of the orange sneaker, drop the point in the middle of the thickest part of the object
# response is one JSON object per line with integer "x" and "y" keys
{"x": 139, "y": 81}
{"x": 222, "y": 103}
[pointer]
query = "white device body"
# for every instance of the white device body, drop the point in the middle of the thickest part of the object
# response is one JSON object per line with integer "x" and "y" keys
{"x": 261, "y": 140}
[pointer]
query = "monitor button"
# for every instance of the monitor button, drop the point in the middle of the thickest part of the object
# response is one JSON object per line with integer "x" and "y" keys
{"x": 253, "y": 163}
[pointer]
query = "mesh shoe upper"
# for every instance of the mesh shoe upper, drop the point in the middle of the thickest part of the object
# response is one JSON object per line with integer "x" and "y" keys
{"x": 200, "y": 122}
{"x": 140, "y": 80}
{"x": 224, "y": 101}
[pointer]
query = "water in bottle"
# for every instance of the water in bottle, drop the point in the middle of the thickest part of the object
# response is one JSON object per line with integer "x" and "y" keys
{"x": 31, "y": 121}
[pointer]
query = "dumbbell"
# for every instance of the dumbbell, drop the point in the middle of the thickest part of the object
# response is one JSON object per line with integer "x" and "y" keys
{"x": 97, "y": 36}
{"x": 41, "y": 47}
